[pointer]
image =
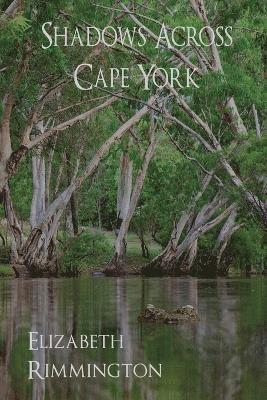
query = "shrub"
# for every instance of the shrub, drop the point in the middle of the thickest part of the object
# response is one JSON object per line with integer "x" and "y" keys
{"x": 89, "y": 249}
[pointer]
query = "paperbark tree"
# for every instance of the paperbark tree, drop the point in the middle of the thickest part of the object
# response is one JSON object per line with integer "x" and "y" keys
{"x": 168, "y": 262}
{"x": 124, "y": 193}
{"x": 37, "y": 255}
{"x": 116, "y": 265}
{"x": 167, "y": 258}
{"x": 227, "y": 231}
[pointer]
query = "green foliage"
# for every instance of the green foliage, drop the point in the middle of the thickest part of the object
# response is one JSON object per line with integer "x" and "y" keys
{"x": 87, "y": 249}
{"x": 249, "y": 248}
{"x": 17, "y": 26}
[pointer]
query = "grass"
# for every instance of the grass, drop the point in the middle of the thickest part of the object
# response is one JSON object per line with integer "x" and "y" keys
{"x": 5, "y": 270}
{"x": 134, "y": 258}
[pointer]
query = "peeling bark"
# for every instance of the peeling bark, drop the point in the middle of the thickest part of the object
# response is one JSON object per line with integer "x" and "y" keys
{"x": 169, "y": 261}
{"x": 227, "y": 231}
{"x": 257, "y": 122}
{"x": 38, "y": 205}
{"x": 124, "y": 194}
{"x": 13, "y": 8}
{"x": 13, "y": 224}
{"x": 115, "y": 266}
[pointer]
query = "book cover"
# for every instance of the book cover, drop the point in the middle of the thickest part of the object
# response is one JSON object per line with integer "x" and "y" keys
{"x": 133, "y": 209}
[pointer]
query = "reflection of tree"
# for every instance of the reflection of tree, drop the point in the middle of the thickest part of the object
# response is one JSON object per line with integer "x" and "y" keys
{"x": 124, "y": 355}
{"x": 39, "y": 323}
{"x": 132, "y": 352}
{"x": 232, "y": 368}
{"x": 218, "y": 342}
{"x": 221, "y": 356}
{"x": 10, "y": 314}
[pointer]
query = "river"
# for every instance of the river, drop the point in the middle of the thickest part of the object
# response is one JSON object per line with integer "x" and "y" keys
{"x": 223, "y": 356}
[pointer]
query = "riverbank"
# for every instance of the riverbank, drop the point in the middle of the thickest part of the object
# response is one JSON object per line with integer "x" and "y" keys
{"x": 5, "y": 271}
{"x": 89, "y": 252}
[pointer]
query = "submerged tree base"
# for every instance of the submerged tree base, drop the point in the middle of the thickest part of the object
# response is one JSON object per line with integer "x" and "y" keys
{"x": 115, "y": 267}
{"x": 21, "y": 270}
{"x": 161, "y": 266}
{"x": 205, "y": 266}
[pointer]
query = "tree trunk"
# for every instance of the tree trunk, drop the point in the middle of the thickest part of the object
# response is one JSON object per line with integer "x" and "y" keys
{"x": 115, "y": 266}
{"x": 191, "y": 257}
{"x": 14, "y": 7}
{"x": 124, "y": 196}
{"x": 13, "y": 224}
{"x": 166, "y": 263}
{"x": 125, "y": 185}
{"x": 38, "y": 205}
{"x": 229, "y": 228}
{"x": 5, "y": 152}
{"x": 74, "y": 216}
{"x": 73, "y": 206}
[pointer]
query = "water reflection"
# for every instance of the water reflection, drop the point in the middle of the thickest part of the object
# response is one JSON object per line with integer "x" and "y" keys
{"x": 223, "y": 356}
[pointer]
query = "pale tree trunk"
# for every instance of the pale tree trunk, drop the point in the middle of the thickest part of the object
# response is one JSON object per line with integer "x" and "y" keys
{"x": 48, "y": 175}
{"x": 74, "y": 214}
{"x": 232, "y": 111}
{"x": 8, "y": 101}
{"x": 115, "y": 266}
{"x": 14, "y": 7}
{"x": 5, "y": 152}
{"x": 13, "y": 224}
{"x": 225, "y": 235}
{"x": 73, "y": 201}
{"x": 257, "y": 122}
{"x": 124, "y": 193}
{"x": 167, "y": 256}
{"x": 202, "y": 218}
{"x": 200, "y": 230}
{"x": 257, "y": 205}
{"x": 125, "y": 186}
{"x": 99, "y": 215}
{"x": 210, "y": 263}
{"x": 192, "y": 254}
{"x": 44, "y": 253}
{"x": 168, "y": 262}
{"x": 38, "y": 205}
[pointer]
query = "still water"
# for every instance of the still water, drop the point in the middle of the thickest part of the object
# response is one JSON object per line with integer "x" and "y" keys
{"x": 222, "y": 356}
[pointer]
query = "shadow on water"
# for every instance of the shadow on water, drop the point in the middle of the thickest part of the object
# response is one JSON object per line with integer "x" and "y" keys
{"x": 223, "y": 356}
